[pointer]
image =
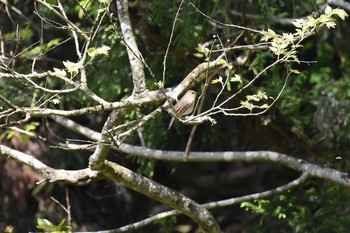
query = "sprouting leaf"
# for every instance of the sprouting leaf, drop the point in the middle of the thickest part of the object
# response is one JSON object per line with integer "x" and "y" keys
{"x": 202, "y": 49}
{"x": 330, "y": 24}
{"x": 264, "y": 106}
{"x": 55, "y": 100}
{"x": 248, "y": 105}
{"x": 93, "y": 52}
{"x": 221, "y": 62}
{"x": 288, "y": 36}
{"x": 44, "y": 224}
{"x": 52, "y": 43}
{"x": 252, "y": 97}
{"x": 109, "y": 28}
{"x": 299, "y": 23}
{"x": 72, "y": 67}
{"x": 199, "y": 55}
{"x": 273, "y": 49}
{"x": 294, "y": 71}
{"x": 59, "y": 73}
{"x": 267, "y": 35}
{"x": 341, "y": 13}
{"x": 31, "y": 126}
{"x": 10, "y": 134}
{"x": 328, "y": 10}
{"x": 9, "y": 229}
{"x": 236, "y": 78}
{"x": 160, "y": 84}
{"x": 103, "y": 50}
{"x": 261, "y": 95}
{"x": 218, "y": 80}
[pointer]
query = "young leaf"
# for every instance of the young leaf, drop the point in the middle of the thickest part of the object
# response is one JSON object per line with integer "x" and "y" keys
{"x": 59, "y": 73}
{"x": 218, "y": 80}
{"x": 72, "y": 67}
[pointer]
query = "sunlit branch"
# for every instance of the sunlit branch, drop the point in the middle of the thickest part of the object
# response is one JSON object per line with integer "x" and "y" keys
{"x": 77, "y": 177}
{"x": 210, "y": 205}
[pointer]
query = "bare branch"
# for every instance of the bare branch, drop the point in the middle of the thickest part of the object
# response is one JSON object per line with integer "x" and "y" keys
{"x": 211, "y": 205}
{"x": 340, "y": 3}
{"x": 162, "y": 194}
{"x": 224, "y": 156}
{"x": 135, "y": 57}
{"x": 77, "y": 177}
{"x": 64, "y": 18}
{"x": 247, "y": 156}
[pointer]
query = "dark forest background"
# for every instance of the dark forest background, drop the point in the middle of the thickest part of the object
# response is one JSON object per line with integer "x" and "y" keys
{"x": 310, "y": 121}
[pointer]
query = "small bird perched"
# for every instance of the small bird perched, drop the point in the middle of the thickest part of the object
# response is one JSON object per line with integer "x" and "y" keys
{"x": 184, "y": 106}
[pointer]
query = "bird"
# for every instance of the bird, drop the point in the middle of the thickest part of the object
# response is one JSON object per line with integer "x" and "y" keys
{"x": 184, "y": 106}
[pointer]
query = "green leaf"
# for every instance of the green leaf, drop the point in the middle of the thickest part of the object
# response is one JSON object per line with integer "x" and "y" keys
{"x": 59, "y": 73}
{"x": 10, "y": 134}
{"x": 202, "y": 49}
{"x": 52, "y": 43}
{"x": 44, "y": 224}
{"x": 288, "y": 36}
{"x": 61, "y": 224}
{"x": 330, "y": 24}
{"x": 199, "y": 55}
{"x": 299, "y": 23}
{"x": 261, "y": 95}
{"x": 103, "y": 50}
{"x": 252, "y": 97}
{"x": 72, "y": 67}
{"x": 294, "y": 71}
{"x": 218, "y": 80}
{"x": 236, "y": 78}
{"x": 221, "y": 62}
{"x": 56, "y": 101}
{"x": 9, "y": 229}
{"x": 247, "y": 105}
{"x": 93, "y": 52}
{"x": 341, "y": 13}
{"x": 30, "y": 127}
{"x": 264, "y": 106}
{"x": 267, "y": 35}
{"x": 160, "y": 84}
{"x": 328, "y": 10}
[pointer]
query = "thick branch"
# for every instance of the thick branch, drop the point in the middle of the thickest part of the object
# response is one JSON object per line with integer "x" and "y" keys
{"x": 76, "y": 177}
{"x": 104, "y": 144}
{"x": 162, "y": 194}
{"x": 224, "y": 156}
{"x": 340, "y": 3}
{"x": 247, "y": 156}
{"x": 135, "y": 57}
{"x": 143, "y": 185}
{"x": 210, "y": 205}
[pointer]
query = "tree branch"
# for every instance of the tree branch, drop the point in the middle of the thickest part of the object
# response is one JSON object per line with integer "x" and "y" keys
{"x": 247, "y": 156}
{"x": 210, "y": 205}
{"x": 224, "y": 156}
{"x": 165, "y": 195}
{"x": 76, "y": 177}
{"x": 135, "y": 57}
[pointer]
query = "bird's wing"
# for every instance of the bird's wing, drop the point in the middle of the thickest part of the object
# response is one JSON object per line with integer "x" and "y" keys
{"x": 180, "y": 109}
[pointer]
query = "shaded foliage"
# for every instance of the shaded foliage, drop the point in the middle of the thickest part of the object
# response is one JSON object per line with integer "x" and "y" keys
{"x": 310, "y": 121}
